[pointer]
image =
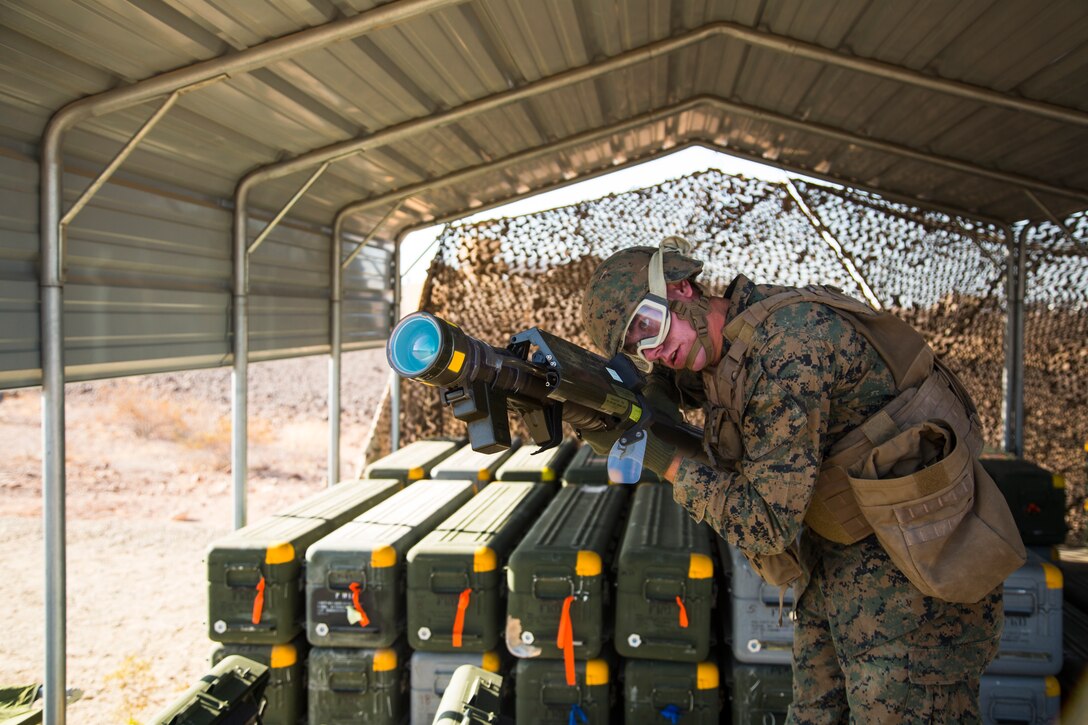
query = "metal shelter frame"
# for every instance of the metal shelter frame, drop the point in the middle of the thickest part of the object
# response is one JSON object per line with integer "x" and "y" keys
{"x": 173, "y": 84}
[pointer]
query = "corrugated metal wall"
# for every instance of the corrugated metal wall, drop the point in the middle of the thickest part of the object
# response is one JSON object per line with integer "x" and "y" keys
{"x": 149, "y": 276}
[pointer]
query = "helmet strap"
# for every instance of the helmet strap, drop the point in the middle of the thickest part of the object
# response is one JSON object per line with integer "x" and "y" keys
{"x": 695, "y": 311}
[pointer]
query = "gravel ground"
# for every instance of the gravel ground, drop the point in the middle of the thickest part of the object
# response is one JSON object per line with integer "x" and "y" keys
{"x": 148, "y": 489}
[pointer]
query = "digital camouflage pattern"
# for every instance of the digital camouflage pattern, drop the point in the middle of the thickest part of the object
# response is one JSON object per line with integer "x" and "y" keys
{"x": 866, "y": 639}
{"x": 617, "y": 285}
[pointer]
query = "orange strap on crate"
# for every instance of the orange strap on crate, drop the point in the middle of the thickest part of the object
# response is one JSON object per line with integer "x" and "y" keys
{"x": 258, "y": 602}
{"x": 565, "y": 641}
{"x": 683, "y": 612}
{"x": 459, "y": 620}
{"x": 356, "y": 589}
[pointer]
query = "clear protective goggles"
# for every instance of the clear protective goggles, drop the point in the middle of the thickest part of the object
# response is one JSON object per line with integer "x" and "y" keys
{"x": 646, "y": 329}
{"x": 648, "y": 325}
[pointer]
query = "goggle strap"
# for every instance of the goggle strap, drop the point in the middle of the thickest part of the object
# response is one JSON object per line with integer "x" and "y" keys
{"x": 656, "y": 274}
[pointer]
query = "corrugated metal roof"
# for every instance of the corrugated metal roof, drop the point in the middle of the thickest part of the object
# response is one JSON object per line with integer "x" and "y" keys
{"x": 453, "y": 105}
{"x": 58, "y": 51}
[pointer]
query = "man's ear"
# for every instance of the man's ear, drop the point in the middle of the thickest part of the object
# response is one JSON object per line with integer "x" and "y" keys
{"x": 682, "y": 290}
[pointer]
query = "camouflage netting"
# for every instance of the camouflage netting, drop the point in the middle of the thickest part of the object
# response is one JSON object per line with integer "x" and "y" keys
{"x": 1056, "y": 359}
{"x": 943, "y": 274}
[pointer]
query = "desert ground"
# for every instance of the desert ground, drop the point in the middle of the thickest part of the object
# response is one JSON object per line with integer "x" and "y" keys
{"x": 148, "y": 488}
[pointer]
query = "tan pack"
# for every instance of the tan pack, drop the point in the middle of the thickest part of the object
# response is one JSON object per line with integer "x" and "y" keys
{"x": 909, "y": 473}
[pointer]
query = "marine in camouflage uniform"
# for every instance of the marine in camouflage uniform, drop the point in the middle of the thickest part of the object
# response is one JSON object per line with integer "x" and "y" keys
{"x": 868, "y": 645}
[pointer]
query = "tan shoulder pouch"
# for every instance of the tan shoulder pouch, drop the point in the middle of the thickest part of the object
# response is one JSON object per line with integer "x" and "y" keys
{"x": 937, "y": 513}
{"x": 778, "y": 570}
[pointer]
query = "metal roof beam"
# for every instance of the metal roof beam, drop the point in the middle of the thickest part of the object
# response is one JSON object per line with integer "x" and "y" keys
{"x": 392, "y": 134}
{"x": 726, "y": 107}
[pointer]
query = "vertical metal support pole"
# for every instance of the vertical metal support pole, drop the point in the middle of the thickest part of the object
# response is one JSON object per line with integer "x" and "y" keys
{"x": 54, "y": 525}
{"x": 239, "y": 401}
{"x": 335, "y": 346}
{"x": 394, "y": 381}
{"x": 1017, "y": 377}
{"x": 1009, "y": 412}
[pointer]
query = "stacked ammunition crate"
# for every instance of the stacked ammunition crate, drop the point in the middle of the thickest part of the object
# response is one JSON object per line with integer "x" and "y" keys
{"x": 760, "y": 633}
{"x": 664, "y": 600}
{"x": 1022, "y": 679}
{"x": 415, "y": 461}
{"x": 588, "y": 466}
{"x": 1023, "y": 676}
{"x": 466, "y": 464}
{"x": 356, "y": 613}
{"x": 255, "y": 576}
{"x": 530, "y": 464}
{"x": 559, "y": 607}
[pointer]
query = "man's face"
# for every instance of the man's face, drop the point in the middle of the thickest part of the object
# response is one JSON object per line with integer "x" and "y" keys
{"x": 674, "y": 351}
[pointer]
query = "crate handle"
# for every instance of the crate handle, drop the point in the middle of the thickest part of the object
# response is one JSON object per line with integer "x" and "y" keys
{"x": 567, "y": 579}
{"x": 653, "y": 700}
{"x": 351, "y": 576}
{"x": 562, "y": 690}
{"x": 247, "y": 582}
{"x": 1017, "y": 610}
{"x": 349, "y": 686}
{"x": 664, "y": 580}
{"x": 464, "y": 574}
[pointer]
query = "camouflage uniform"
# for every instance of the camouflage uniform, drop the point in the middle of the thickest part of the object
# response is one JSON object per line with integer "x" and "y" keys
{"x": 866, "y": 642}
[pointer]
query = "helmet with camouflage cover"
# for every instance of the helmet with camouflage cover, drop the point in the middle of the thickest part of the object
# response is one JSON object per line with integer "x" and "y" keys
{"x": 620, "y": 282}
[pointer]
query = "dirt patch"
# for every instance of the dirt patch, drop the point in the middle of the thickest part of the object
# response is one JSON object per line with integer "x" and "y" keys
{"x": 148, "y": 488}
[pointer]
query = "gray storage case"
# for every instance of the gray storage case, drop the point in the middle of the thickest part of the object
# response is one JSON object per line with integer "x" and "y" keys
{"x": 431, "y": 673}
{"x": 757, "y": 635}
{"x": 1031, "y": 643}
{"x": 1019, "y": 699}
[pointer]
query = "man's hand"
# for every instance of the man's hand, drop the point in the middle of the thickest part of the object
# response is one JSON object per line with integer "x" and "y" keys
{"x": 601, "y": 441}
{"x": 659, "y": 455}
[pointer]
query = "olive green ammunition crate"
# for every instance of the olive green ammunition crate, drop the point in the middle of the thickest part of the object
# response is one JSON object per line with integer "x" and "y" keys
{"x": 664, "y": 582}
{"x": 1036, "y": 498}
{"x": 567, "y": 554}
{"x": 543, "y": 697}
{"x": 256, "y": 574}
{"x": 348, "y": 686}
{"x": 432, "y": 673}
{"x": 232, "y": 693}
{"x": 761, "y": 693}
{"x": 355, "y": 576}
{"x": 588, "y": 467}
{"x": 414, "y": 461}
{"x": 285, "y": 694}
{"x": 544, "y": 467}
{"x": 456, "y": 571}
{"x": 656, "y": 691}
{"x": 467, "y": 464}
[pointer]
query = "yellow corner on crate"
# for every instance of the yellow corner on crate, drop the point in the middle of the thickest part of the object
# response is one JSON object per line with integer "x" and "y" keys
{"x": 385, "y": 660}
{"x": 283, "y": 655}
{"x": 701, "y": 567}
{"x": 279, "y": 553}
{"x": 706, "y": 676}
{"x": 383, "y": 557}
{"x": 588, "y": 563}
{"x": 1053, "y": 576}
{"x": 491, "y": 661}
{"x": 485, "y": 559}
{"x": 596, "y": 672}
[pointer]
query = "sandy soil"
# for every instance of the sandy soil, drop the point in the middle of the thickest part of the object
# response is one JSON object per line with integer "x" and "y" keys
{"x": 148, "y": 470}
